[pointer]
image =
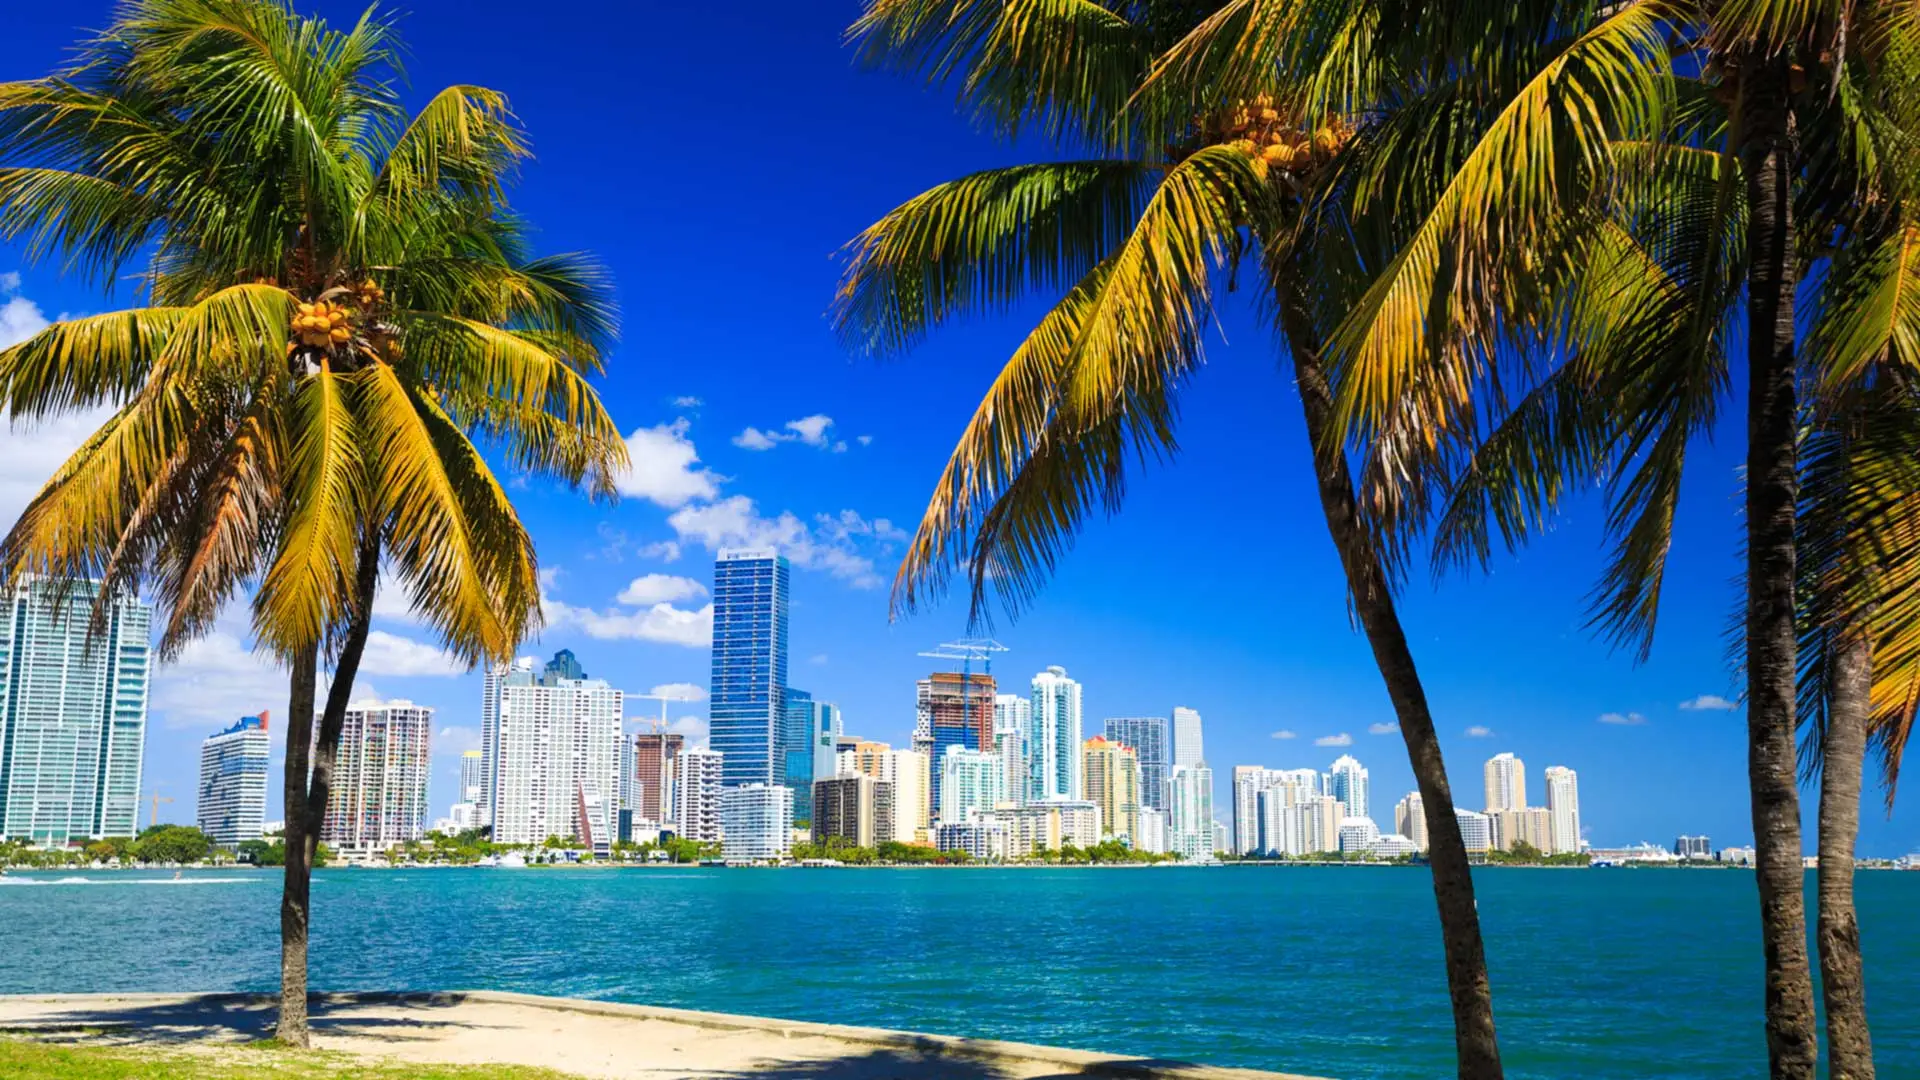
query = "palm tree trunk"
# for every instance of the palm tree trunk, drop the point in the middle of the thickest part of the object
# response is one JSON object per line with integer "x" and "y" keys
{"x": 1475, "y": 1042}
{"x": 1767, "y": 159}
{"x": 294, "y": 895}
{"x": 306, "y": 806}
{"x": 1849, "y": 1046}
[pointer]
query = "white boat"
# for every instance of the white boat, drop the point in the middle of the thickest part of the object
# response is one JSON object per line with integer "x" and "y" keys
{"x": 512, "y": 860}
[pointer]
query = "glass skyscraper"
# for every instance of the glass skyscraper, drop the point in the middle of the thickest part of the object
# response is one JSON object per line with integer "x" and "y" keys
{"x": 808, "y": 731}
{"x": 749, "y": 681}
{"x": 233, "y": 782}
{"x": 1148, "y": 737}
{"x": 73, "y": 713}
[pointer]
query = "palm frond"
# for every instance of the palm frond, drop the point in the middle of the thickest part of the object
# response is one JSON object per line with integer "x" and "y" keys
{"x": 307, "y": 592}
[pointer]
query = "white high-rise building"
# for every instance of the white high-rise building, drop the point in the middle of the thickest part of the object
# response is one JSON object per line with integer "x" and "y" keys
{"x": 1248, "y": 782}
{"x": 233, "y": 782}
{"x": 1506, "y": 783}
{"x": 696, "y": 795}
{"x": 970, "y": 780}
{"x": 1410, "y": 819}
{"x": 471, "y": 785}
{"x": 756, "y": 822}
{"x": 1270, "y": 812}
{"x": 1048, "y": 826}
{"x": 1053, "y": 738}
{"x": 73, "y": 713}
{"x": 1190, "y": 812}
{"x": 1563, "y": 810}
{"x": 1012, "y": 719}
{"x": 1358, "y": 835}
{"x": 1187, "y": 747}
{"x": 1153, "y": 832}
{"x": 1255, "y": 827}
{"x": 1347, "y": 781}
{"x": 1476, "y": 830}
{"x": 1310, "y": 826}
{"x": 556, "y": 754}
{"x": 379, "y": 793}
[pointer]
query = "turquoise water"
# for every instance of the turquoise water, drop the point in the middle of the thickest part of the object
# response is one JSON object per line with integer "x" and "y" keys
{"x": 1328, "y": 971}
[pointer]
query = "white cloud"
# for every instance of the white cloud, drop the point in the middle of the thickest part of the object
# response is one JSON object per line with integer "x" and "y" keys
{"x": 1477, "y": 731}
{"x": 455, "y": 739}
{"x": 686, "y": 401}
{"x": 1632, "y": 719}
{"x": 1342, "y": 739}
{"x": 811, "y": 430}
{"x": 734, "y": 522}
{"x": 755, "y": 439}
{"x": 10, "y": 281}
{"x": 679, "y": 691}
{"x": 1709, "y": 703}
{"x": 840, "y": 447}
{"x": 651, "y": 589}
{"x": 663, "y": 467}
{"x": 817, "y": 658}
{"x": 693, "y": 728}
{"x": 865, "y": 440}
{"x": 661, "y": 622}
{"x": 215, "y": 679}
{"x": 1284, "y": 734}
{"x": 391, "y": 654}
{"x": 20, "y": 318}
{"x": 664, "y": 550}
{"x": 31, "y": 452}
{"x": 1382, "y": 729}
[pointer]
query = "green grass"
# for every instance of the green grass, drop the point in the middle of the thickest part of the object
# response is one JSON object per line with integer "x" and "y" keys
{"x": 22, "y": 1059}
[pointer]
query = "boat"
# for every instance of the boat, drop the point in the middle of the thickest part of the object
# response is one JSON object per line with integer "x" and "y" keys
{"x": 512, "y": 860}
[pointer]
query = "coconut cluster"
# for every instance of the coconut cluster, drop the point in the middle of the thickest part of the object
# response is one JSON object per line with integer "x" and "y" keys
{"x": 322, "y": 323}
{"x": 1258, "y": 129}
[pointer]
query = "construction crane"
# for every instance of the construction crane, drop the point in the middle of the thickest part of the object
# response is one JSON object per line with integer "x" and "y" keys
{"x": 968, "y": 650}
{"x": 154, "y": 817}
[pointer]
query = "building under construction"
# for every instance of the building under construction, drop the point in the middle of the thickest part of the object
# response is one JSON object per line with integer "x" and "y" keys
{"x": 955, "y": 708}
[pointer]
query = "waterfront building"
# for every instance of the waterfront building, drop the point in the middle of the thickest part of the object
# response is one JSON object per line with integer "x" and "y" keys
{"x": 1249, "y": 781}
{"x": 1410, "y": 819}
{"x": 1190, "y": 812}
{"x": 1358, "y": 835}
{"x": 1741, "y": 856}
{"x": 379, "y": 793}
{"x": 1269, "y": 822}
{"x": 556, "y": 754}
{"x": 1048, "y": 826}
{"x": 1393, "y": 846}
{"x": 1476, "y": 829}
{"x": 970, "y": 780}
{"x": 809, "y": 735}
{"x": 1506, "y": 777}
{"x": 1527, "y": 825}
{"x": 655, "y": 756}
{"x": 696, "y": 794}
{"x": 461, "y": 816}
{"x": 748, "y": 679}
{"x": 1187, "y": 748}
{"x": 1053, "y": 741}
{"x": 1152, "y": 837}
{"x": 1012, "y": 717}
{"x": 73, "y": 713}
{"x": 910, "y": 773}
{"x": 953, "y": 708}
{"x": 1693, "y": 847}
{"x": 1346, "y": 781}
{"x": 756, "y": 822}
{"x": 857, "y": 809}
{"x": 1220, "y": 837}
{"x": 1112, "y": 775}
{"x": 233, "y": 782}
{"x": 983, "y": 837}
{"x": 1259, "y": 795}
{"x": 1563, "y": 808}
{"x": 1310, "y": 826}
{"x": 471, "y": 763}
{"x": 1148, "y": 737}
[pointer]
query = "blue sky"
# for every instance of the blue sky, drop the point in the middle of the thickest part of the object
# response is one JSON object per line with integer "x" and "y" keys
{"x": 717, "y": 158}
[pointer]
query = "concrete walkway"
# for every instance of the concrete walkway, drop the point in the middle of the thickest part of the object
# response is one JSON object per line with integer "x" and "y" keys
{"x": 587, "y": 1038}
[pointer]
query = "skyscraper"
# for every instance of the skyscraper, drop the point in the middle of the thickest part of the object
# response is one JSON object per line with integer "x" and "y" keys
{"x": 1563, "y": 810}
{"x": 1249, "y": 781}
{"x": 73, "y": 713}
{"x": 749, "y": 673}
{"x": 1347, "y": 782}
{"x": 696, "y": 794}
{"x": 953, "y": 708}
{"x": 471, "y": 764}
{"x": 655, "y": 755}
{"x": 856, "y": 809}
{"x": 1187, "y": 748}
{"x": 909, "y": 772}
{"x": 756, "y": 822}
{"x": 1053, "y": 741}
{"x": 1012, "y": 718}
{"x": 970, "y": 780}
{"x": 1476, "y": 830}
{"x": 379, "y": 793}
{"x": 557, "y": 754}
{"x": 1410, "y": 819}
{"x": 807, "y": 732}
{"x": 233, "y": 782}
{"x": 1190, "y": 812}
{"x": 1112, "y": 774}
{"x": 1506, "y": 783}
{"x": 1148, "y": 737}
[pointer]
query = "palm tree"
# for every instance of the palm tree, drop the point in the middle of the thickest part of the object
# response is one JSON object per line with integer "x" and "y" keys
{"x": 338, "y": 305}
{"x": 1216, "y": 139}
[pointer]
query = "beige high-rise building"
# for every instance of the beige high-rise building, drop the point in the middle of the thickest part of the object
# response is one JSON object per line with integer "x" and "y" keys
{"x": 1530, "y": 825}
{"x": 857, "y": 809}
{"x": 1506, "y": 783}
{"x": 1410, "y": 819}
{"x": 1112, "y": 773}
{"x": 1563, "y": 810}
{"x": 910, "y": 773}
